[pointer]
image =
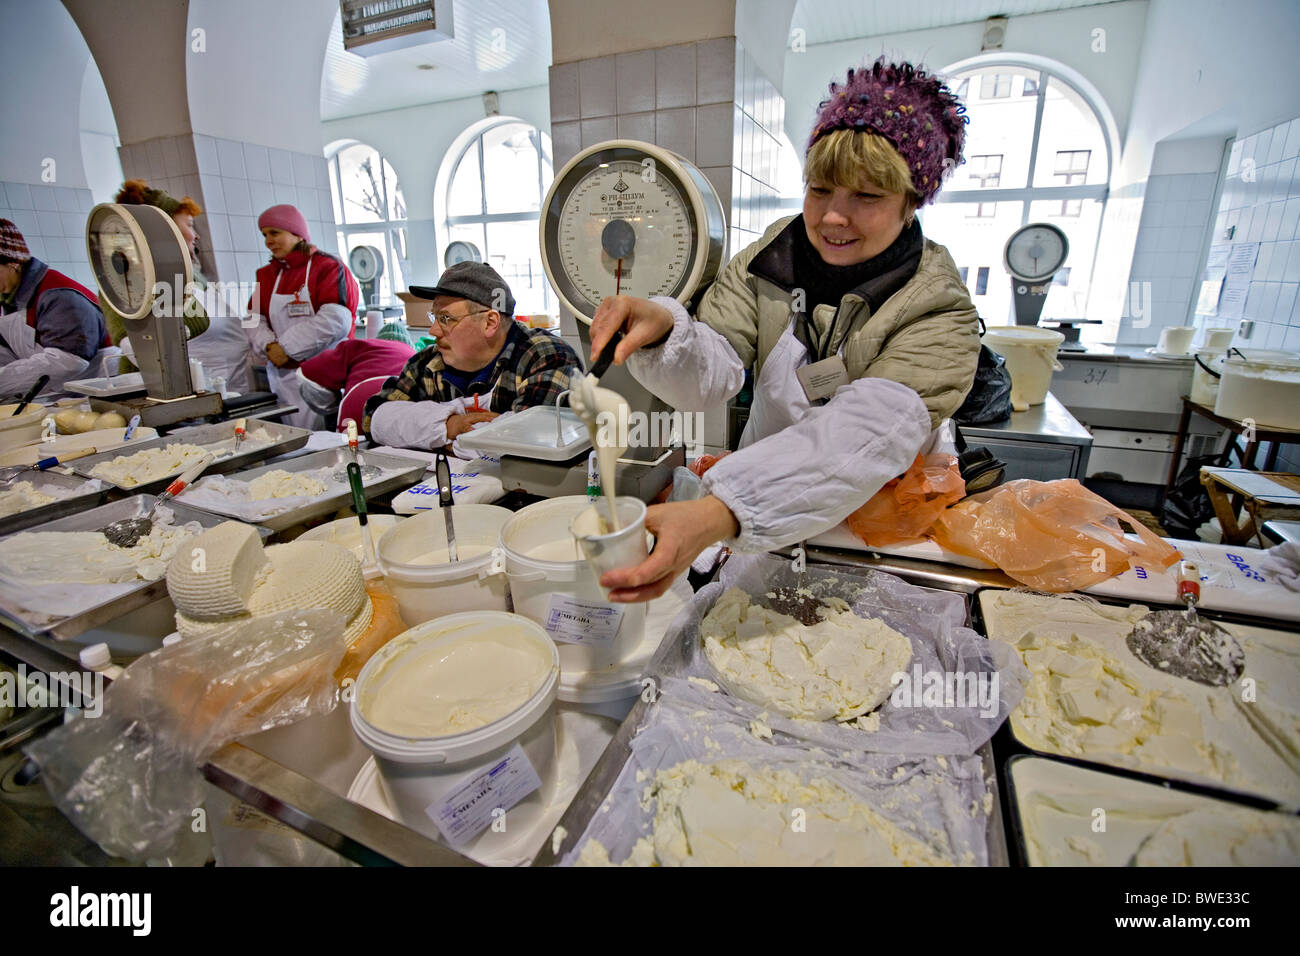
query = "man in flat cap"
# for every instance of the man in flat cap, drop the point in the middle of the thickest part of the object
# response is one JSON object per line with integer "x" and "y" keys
{"x": 484, "y": 364}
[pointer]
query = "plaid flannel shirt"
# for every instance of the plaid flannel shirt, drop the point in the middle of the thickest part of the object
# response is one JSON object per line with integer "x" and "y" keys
{"x": 533, "y": 369}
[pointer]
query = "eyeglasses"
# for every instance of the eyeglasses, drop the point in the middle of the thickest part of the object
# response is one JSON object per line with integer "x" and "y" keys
{"x": 449, "y": 322}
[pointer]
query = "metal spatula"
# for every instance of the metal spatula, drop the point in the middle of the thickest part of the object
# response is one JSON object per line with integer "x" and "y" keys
{"x": 10, "y": 472}
{"x": 367, "y": 471}
{"x": 1183, "y": 643}
{"x": 442, "y": 470}
{"x": 127, "y": 531}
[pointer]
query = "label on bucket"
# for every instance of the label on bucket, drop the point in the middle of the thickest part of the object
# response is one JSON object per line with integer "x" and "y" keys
{"x": 484, "y": 797}
{"x": 571, "y": 621}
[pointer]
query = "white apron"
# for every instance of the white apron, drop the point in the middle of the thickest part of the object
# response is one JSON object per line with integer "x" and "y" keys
{"x": 284, "y": 381}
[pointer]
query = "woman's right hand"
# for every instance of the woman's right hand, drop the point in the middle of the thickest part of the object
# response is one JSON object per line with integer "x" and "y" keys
{"x": 642, "y": 321}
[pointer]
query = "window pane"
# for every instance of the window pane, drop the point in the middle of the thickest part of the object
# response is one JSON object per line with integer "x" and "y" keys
{"x": 514, "y": 251}
{"x": 975, "y": 244}
{"x": 1068, "y": 296}
{"x": 363, "y": 188}
{"x": 466, "y": 232}
{"x": 465, "y": 197}
{"x": 510, "y": 169}
{"x": 998, "y": 127}
{"x": 383, "y": 286}
{"x": 1071, "y": 135}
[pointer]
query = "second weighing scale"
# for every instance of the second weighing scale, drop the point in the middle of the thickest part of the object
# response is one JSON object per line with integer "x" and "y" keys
{"x": 622, "y": 217}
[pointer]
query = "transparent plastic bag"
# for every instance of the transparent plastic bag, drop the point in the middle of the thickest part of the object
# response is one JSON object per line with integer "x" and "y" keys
{"x": 385, "y": 625}
{"x": 129, "y": 778}
{"x": 908, "y": 506}
{"x": 1050, "y": 535}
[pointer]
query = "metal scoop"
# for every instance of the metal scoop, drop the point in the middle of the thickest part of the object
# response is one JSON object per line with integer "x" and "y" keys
{"x": 1183, "y": 643}
{"x": 367, "y": 471}
{"x": 11, "y": 472}
{"x": 127, "y": 531}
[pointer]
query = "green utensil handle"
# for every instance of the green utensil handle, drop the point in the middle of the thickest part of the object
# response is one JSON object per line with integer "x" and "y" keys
{"x": 358, "y": 493}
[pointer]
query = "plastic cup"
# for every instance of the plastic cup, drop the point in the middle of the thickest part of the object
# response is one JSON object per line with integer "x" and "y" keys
{"x": 624, "y": 548}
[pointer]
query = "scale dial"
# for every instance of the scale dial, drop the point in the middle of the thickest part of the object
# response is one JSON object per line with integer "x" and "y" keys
{"x": 1035, "y": 252}
{"x": 631, "y": 218}
{"x": 366, "y": 262}
{"x": 129, "y": 248}
{"x": 461, "y": 251}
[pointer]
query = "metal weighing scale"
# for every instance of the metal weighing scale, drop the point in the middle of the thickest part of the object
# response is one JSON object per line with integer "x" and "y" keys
{"x": 621, "y": 217}
{"x": 1033, "y": 255}
{"x": 131, "y": 249}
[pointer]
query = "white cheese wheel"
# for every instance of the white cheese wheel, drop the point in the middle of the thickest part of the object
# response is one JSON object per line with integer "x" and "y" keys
{"x": 215, "y": 577}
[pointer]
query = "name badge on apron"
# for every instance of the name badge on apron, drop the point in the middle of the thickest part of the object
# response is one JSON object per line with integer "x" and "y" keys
{"x": 299, "y": 310}
{"x": 820, "y": 379}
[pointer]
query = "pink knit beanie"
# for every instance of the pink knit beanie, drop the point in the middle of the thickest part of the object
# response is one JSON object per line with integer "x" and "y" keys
{"x": 285, "y": 217}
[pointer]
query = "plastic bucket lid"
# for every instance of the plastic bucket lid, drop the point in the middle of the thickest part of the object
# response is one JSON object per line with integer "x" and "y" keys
{"x": 454, "y": 748}
{"x": 1023, "y": 336}
{"x": 540, "y": 524}
{"x": 477, "y": 527}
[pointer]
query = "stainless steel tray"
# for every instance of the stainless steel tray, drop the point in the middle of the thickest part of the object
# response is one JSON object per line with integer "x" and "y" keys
{"x": 285, "y": 438}
{"x": 405, "y": 472}
{"x": 84, "y": 495}
{"x": 145, "y": 593}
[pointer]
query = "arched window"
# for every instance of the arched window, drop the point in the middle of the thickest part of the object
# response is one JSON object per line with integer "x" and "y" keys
{"x": 494, "y": 203}
{"x": 369, "y": 211}
{"x": 1037, "y": 150}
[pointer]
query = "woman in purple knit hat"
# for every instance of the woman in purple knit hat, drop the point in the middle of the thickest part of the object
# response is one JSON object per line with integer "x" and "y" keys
{"x": 860, "y": 334}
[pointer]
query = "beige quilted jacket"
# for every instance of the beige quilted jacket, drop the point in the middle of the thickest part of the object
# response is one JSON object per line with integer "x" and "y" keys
{"x": 925, "y": 335}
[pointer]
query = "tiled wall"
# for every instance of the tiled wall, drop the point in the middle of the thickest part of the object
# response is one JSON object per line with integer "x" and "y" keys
{"x": 1167, "y": 258}
{"x": 52, "y": 220}
{"x": 1267, "y": 211}
{"x": 234, "y": 182}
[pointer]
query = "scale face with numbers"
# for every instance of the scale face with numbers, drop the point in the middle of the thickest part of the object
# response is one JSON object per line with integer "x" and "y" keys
{"x": 132, "y": 249}
{"x": 1033, "y": 255}
{"x": 632, "y": 218}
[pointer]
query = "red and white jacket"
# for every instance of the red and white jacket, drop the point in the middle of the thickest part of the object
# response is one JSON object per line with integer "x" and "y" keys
{"x": 335, "y": 297}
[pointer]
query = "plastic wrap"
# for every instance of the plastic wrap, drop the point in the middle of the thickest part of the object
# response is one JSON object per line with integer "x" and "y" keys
{"x": 129, "y": 778}
{"x": 1050, "y": 535}
{"x": 939, "y": 801}
{"x": 941, "y": 645}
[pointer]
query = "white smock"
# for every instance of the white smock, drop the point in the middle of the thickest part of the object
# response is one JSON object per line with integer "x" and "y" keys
{"x": 301, "y": 337}
{"x": 801, "y": 468}
{"x": 423, "y": 425}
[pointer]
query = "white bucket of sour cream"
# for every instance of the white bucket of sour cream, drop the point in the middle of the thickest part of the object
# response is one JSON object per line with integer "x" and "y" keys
{"x": 552, "y": 584}
{"x": 426, "y": 583}
{"x": 459, "y": 713}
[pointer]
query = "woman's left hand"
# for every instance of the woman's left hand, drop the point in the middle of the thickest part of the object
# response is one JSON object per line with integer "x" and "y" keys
{"x": 682, "y": 529}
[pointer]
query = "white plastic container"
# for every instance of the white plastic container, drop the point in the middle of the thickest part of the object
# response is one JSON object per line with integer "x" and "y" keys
{"x": 552, "y": 584}
{"x": 1031, "y": 359}
{"x": 1205, "y": 386}
{"x": 24, "y": 429}
{"x": 421, "y": 776}
{"x": 428, "y": 586}
{"x": 1266, "y": 390}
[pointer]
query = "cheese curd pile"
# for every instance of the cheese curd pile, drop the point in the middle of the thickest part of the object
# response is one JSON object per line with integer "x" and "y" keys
{"x": 841, "y": 667}
{"x": 731, "y": 813}
{"x": 284, "y": 484}
{"x": 86, "y": 557}
{"x": 152, "y": 464}
{"x": 1089, "y": 696}
{"x": 22, "y": 496}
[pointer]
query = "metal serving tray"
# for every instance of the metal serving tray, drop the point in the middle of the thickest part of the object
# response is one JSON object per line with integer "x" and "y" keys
{"x": 84, "y": 495}
{"x": 145, "y": 593}
{"x": 406, "y": 472}
{"x": 1010, "y": 744}
{"x": 285, "y": 438}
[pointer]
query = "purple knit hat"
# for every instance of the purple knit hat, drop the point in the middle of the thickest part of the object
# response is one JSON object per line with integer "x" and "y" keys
{"x": 914, "y": 111}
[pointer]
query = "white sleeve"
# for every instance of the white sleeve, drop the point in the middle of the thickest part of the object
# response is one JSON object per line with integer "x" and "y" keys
{"x": 695, "y": 370}
{"x": 259, "y": 333}
{"x": 20, "y": 375}
{"x": 311, "y": 336}
{"x": 421, "y": 425}
{"x": 807, "y": 478}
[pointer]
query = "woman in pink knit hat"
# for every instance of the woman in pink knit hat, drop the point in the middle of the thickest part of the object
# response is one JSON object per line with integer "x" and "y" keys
{"x": 858, "y": 330}
{"x": 305, "y": 302}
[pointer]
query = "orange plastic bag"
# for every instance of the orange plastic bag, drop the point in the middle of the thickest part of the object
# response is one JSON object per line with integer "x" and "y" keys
{"x": 385, "y": 625}
{"x": 906, "y": 507}
{"x": 1050, "y": 535}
